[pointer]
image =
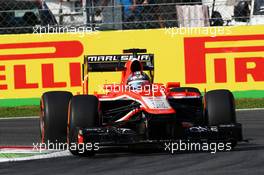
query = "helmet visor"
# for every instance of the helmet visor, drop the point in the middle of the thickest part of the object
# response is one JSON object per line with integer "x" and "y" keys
{"x": 137, "y": 84}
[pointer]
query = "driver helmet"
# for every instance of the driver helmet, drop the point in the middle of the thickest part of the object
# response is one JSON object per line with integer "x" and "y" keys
{"x": 137, "y": 79}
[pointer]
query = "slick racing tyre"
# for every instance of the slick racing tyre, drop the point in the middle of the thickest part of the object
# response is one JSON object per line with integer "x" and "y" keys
{"x": 53, "y": 117}
{"x": 220, "y": 110}
{"x": 83, "y": 113}
{"x": 219, "y": 107}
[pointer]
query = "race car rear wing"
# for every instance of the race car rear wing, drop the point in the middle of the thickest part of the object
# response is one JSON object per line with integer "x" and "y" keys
{"x": 111, "y": 63}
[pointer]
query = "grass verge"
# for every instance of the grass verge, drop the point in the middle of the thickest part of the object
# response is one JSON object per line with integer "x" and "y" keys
{"x": 245, "y": 103}
{"x": 20, "y": 111}
{"x": 25, "y": 111}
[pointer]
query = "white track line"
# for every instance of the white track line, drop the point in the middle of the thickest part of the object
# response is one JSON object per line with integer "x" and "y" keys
{"x": 251, "y": 109}
{"x": 46, "y": 156}
{"x": 12, "y": 118}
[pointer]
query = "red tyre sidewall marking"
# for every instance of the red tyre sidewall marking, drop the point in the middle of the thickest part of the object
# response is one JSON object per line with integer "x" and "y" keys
{"x": 68, "y": 124}
{"x": 42, "y": 123}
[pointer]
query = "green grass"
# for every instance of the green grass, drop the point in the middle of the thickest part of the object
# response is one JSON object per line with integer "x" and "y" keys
{"x": 21, "y": 111}
{"x": 24, "y": 111}
{"x": 249, "y": 103}
{"x": 13, "y": 102}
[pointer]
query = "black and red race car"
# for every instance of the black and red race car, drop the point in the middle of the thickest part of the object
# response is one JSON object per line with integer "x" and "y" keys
{"x": 136, "y": 110}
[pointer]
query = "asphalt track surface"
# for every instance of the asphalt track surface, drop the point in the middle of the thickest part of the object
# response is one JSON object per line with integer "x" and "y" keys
{"x": 247, "y": 158}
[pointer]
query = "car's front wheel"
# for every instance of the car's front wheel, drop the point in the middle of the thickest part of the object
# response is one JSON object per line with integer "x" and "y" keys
{"x": 83, "y": 113}
{"x": 220, "y": 110}
{"x": 219, "y": 107}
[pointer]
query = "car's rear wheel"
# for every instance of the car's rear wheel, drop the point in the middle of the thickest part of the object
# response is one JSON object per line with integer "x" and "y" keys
{"x": 83, "y": 113}
{"x": 53, "y": 117}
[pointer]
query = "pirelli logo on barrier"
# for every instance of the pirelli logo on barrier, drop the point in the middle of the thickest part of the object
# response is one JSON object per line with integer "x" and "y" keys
{"x": 241, "y": 57}
{"x": 12, "y": 57}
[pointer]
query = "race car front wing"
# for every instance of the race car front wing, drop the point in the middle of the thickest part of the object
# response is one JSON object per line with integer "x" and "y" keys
{"x": 111, "y": 136}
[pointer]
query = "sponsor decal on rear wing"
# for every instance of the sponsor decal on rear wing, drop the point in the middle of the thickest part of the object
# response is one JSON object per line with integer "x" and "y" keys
{"x": 109, "y": 63}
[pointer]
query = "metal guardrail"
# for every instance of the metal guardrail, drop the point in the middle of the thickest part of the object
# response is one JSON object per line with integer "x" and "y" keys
{"x": 25, "y": 16}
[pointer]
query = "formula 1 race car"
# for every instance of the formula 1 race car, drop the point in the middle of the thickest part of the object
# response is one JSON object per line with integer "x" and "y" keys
{"x": 137, "y": 110}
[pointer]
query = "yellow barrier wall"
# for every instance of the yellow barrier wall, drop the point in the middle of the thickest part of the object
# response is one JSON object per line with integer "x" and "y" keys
{"x": 229, "y": 57}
